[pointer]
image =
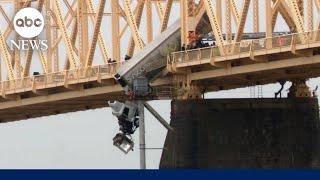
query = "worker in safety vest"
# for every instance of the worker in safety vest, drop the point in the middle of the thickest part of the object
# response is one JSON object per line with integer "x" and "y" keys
{"x": 193, "y": 37}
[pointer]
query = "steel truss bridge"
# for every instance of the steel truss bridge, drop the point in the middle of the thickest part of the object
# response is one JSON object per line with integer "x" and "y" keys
{"x": 87, "y": 40}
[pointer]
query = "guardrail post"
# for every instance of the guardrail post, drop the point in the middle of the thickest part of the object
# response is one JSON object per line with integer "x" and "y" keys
{"x": 251, "y": 50}
{"x": 308, "y": 39}
{"x": 78, "y": 74}
{"x": 268, "y": 43}
{"x": 293, "y": 47}
{"x": 45, "y": 81}
{"x": 2, "y": 89}
{"x": 99, "y": 75}
{"x": 212, "y": 60}
{"x": 14, "y": 85}
{"x": 66, "y": 77}
{"x": 187, "y": 56}
{"x": 33, "y": 83}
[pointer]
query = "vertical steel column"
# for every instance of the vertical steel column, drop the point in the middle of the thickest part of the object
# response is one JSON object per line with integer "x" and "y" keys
{"x": 16, "y": 53}
{"x": 310, "y": 15}
{"x": 268, "y": 9}
{"x": 83, "y": 32}
{"x": 149, "y": 21}
{"x": 219, "y": 12}
{"x": 48, "y": 30}
{"x": 115, "y": 18}
{"x": 184, "y": 19}
{"x": 256, "y": 16}
{"x": 228, "y": 22}
{"x": 142, "y": 135}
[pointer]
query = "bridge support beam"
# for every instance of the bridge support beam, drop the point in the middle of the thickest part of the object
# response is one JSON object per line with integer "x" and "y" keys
{"x": 158, "y": 117}
{"x": 142, "y": 136}
{"x": 186, "y": 89}
{"x": 299, "y": 89}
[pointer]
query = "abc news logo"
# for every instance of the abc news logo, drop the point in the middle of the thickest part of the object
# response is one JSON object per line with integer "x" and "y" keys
{"x": 29, "y": 23}
{"x": 26, "y": 22}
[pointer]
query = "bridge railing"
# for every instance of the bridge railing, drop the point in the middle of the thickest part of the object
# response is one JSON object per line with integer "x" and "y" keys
{"x": 165, "y": 91}
{"x": 15, "y": 85}
{"x": 245, "y": 46}
{"x": 74, "y": 76}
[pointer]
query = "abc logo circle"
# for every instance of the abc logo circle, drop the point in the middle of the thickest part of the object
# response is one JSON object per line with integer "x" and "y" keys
{"x": 28, "y": 23}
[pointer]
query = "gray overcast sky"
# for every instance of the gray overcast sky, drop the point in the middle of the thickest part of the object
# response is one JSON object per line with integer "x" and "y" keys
{"x": 84, "y": 139}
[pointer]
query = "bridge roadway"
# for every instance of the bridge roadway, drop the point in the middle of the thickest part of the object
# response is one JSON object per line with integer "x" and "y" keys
{"x": 247, "y": 63}
{"x": 251, "y": 62}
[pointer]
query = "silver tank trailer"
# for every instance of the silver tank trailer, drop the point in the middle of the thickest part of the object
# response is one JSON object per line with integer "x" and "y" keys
{"x": 152, "y": 59}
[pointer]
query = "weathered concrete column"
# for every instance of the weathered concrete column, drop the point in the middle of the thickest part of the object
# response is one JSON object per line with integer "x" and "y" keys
{"x": 243, "y": 133}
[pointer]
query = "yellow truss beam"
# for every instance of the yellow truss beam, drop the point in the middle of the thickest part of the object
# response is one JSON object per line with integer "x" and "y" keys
{"x": 159, "y": 10}
{"x": 6, "y": 57}
{"x": 83, "y": 32}
{"x": 166, "y": 16}
{"x": 70, "y": 52}
{"x": 228, "y": 21}
{"x": 97, "y": 26}
{"x": 115, "y": 19}
{"x": 215, "y": 24}
{"x": 242, "y": 21}
{"x": 43, "y": 61}
{"x": 133, "y": 24}
{"x": 310, "y": 15}
{"x": 256, "y": 16}
{"x": 138, "y": 16}
{"x": 298, "y": 18}
{"x": 149, "y": 21}
{"x": 26, "y": 69}
{"x": 102, "y": 45}
{"x": 235, "y": 12}
{"x": 280, "y": 6}
{"x": 73, "y": 41}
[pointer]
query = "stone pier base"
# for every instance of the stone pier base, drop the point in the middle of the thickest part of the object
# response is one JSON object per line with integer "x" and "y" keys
{"x": 243, "y": 133}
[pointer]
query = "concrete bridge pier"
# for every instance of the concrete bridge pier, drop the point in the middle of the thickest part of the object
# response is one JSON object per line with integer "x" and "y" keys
{"x": 243, "y": 133}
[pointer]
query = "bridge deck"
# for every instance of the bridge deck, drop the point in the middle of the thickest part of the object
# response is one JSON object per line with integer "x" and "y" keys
{"x": 63, "y": 92}
{"x": 251, "y": 62}
{"x": 246, "y": 49}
